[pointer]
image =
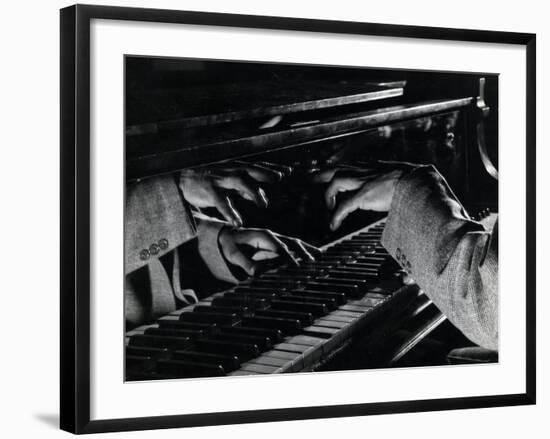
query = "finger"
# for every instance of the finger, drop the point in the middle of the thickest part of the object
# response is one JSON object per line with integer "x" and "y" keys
{"x": 298, "y": 248}
{"x": 324, "y": 176}
{"x": 345, "y": 207}
{"x": 237, "y": 257}
{"x": 341, "y": 184}
{"x": 316, "y": 252}
{"x": 260, "y": 173}
{"x": 265, "y": 255}
{"x": 224, "y": 206}
{"x": 265, "y": 240}
{"x": 284, "y": 251}
{"x": 285, "y": 169}
{"x": 244, "y": 188}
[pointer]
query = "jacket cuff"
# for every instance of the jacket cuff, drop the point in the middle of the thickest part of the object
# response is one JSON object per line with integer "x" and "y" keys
{"x": 397, "y": 216}
{"x": 425, "y": 211}
{"x": 157, "y": 220}
{"x": 208, "y": 230}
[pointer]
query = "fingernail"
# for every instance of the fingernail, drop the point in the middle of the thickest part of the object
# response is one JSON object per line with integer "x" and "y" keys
{"x": 263, "y": 197}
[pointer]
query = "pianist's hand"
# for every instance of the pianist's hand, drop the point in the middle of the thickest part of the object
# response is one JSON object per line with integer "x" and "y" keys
{"x": 211, "y": 186}
{"x": 249, "y": 248}
{"x": 369, "y": 188}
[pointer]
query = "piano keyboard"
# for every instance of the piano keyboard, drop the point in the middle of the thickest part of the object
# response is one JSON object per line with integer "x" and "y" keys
{"x": 286, "y": 320}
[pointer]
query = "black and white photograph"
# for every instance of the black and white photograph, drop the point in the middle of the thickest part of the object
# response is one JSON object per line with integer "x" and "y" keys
{"x": 280, "y": 218}
{"x": 294, "y": 218}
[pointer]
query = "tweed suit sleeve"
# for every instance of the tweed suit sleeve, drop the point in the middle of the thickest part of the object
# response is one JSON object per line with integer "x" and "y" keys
{"x": 156, "y": 219}
{"x": 208, "y": 231}
{"x": 451, "y": 257}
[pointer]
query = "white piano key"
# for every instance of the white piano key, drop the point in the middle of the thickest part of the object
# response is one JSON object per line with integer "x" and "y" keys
{"x": 241, "y": 372}
{"x": 268, "y": 361}
{"x": 306, "y": 340}
{"x": 260, "y": 368}
{"x": 353, "y": 308}
{"x": 331, "y": 323}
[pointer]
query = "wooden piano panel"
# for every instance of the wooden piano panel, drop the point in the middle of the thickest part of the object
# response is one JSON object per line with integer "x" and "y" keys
{"x": 159, "y": 153}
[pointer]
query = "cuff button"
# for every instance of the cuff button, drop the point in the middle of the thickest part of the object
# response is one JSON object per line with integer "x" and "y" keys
{"x": 154, "y": 249}
{"x": 144, "y": 254}
{"x": 163, "y": 244}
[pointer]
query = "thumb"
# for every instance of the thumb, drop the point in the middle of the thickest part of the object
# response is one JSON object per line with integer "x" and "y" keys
{"x": 236, "y": 257}
{"x": 343, "y": 209}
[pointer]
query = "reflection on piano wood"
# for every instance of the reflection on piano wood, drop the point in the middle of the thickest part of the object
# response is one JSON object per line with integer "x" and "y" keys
{"x": 286, "y": 320}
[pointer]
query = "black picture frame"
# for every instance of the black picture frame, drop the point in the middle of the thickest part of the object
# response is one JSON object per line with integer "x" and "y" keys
{"x": 75, "y": 217}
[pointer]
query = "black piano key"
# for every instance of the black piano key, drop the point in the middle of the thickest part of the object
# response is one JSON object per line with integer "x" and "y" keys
{"x": 369, "y": 251}
{"x": 148, "y": 376}
{"x": 339, "y": 298}
{"x": 333, "y": 286}
{"x": 276, "y": 284}
{"x": 251, "y": 295}
{"x": 317, "y": 309}
{"x": 274, "y": 335}
{"x": 263, "y": 343}
{"x": 174, "y": 332}
{"x": 204, "y": 317}
{"x": 305, "y": 318}
{"x": 365, "y": 240}
{"x": 228, "y": 362}
{"x": 189, "y": 369}
{"x": 294, "y": 278}
{"x": 145, "y": 351}
{"x": 355, "y": 246}
{"x": 362, "y": 266}
{"x": 262, "y": 292}
{"x": 370, "y": 259}
{"x": 135, "y": 363}
{"x": 353, "y": 276}
{"x": 244, "y": 351}
{"x": 301, "y": 271}
{"x": 318, "y": 265}
{"x": 169, "y": 323}
{"x": 358, "y": 267}
{"x": 240, "y": 302}
{"x": 329, "y": 279}
{"x": 342, "y": 252}
{"x": 157, "y": 341}
{"x": 335, "y": 260}
{"x": 327, "y": 301}
{"x": 239, "y": 310}
{"x": 286, "y": 326}
{"x": 350, "y": 272}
